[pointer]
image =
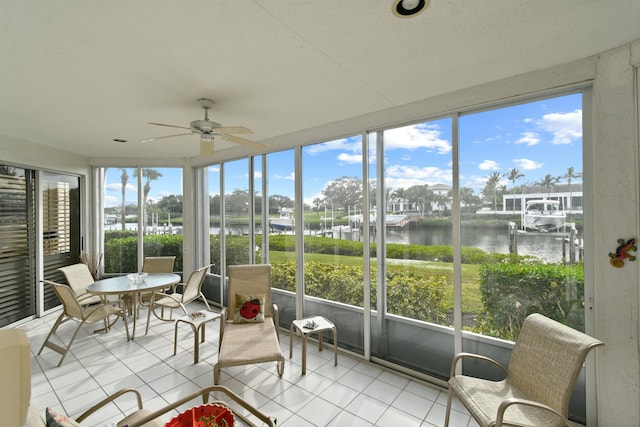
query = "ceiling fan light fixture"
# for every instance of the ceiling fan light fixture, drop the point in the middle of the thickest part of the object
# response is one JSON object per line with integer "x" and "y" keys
{"x": 409, "y": 8}
{"x": 206, "y": 144}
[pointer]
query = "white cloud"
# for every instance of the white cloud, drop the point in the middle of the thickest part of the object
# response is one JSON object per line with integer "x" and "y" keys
{"x": 350, "y": 158}
{"x": 403, "y": 176}
{"x": 529, "y": 138}
{"x": 475, "y": 182}
{"x": 111, "y": 200}
{"x": 566, "y": 127}
{"x": 343, "y": 144}
{"x": 290, "y": 177}
{"x": 489, "y": 165}
{"x": 416, "y": 136}
{"x": 117, "y": 186}
{"x": 527, "y": 164}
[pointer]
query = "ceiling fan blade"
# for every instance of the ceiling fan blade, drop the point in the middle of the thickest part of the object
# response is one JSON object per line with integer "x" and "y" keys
{"x": 166, "y": 136}
{"x": 171, "y": 126}
{"x": 245, "y": 142}
{"x": 232, "y": 129}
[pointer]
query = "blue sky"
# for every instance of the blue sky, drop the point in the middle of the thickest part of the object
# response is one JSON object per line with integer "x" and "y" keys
{"x": 537, "y": 138}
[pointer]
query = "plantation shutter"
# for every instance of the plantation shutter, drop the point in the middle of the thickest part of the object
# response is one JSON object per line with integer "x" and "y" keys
{"x": 17, "y": 225}
{"x": 60, "y": 228}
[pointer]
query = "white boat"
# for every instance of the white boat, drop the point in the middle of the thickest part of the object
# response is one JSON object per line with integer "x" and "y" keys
{"x": 543, "y": 216}
{"x": 390, "y": 219}
{"x": 283, "y": 223}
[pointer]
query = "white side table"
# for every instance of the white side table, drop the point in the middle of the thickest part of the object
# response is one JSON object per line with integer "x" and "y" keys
{"x": 322, "y": 324}
{"x": 197, "y": 321}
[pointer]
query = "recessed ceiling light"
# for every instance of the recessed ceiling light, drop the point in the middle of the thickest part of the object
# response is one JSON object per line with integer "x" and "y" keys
{"x": 119, "y": 140}
{"x": 409, "y": 8}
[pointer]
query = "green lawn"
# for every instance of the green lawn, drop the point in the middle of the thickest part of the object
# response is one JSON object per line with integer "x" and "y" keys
{"x": 471, "y": 301}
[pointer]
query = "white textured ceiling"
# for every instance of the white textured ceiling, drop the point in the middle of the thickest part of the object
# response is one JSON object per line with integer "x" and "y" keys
{"x": 75, "y": 74}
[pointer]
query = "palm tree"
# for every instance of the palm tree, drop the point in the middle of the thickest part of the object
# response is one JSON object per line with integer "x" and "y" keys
{"x": 491, "y": 188}
{"x": 468, "y": 199}
{"x": 441, "y": 201}
{"x": 124, "y": 178}
{"x": 149, "y": 175}
{"x": 569, "y": 176}
{"x": 513, "y": 175}
{"x": 548, "y": 182}
{"x": 400, "y": 197}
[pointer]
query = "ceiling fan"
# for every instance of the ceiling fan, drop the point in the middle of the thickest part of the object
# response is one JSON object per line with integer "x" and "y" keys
{"x": 208, "y": 129}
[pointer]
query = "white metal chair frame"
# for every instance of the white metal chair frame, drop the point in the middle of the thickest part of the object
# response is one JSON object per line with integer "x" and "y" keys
{"x": 191, "y": 291}
{"x": 73, "y": 310}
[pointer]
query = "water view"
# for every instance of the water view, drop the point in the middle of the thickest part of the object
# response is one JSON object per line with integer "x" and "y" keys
{"x": 545, "y": 246}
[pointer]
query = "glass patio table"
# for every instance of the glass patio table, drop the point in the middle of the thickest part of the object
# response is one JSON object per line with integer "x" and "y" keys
{"x": 121, "y": 285}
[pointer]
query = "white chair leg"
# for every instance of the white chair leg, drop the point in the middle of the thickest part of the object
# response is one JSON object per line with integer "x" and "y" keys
{"x": 448, "y": 410}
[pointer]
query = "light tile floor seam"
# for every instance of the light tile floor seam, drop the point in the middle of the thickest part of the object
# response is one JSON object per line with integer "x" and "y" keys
{"x": 354, "y": 393}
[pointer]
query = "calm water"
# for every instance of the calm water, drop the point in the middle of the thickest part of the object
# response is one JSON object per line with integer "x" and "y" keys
{"x": 548, "y": 247}
{"x": 545, "y": 246}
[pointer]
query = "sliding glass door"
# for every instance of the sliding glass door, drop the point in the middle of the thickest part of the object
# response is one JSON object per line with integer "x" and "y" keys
{"x": 411, "y": 183}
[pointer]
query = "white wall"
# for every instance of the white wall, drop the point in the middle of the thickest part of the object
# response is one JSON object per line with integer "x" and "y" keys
{"x": 615, "y": 203}
{"x": 21, "y": 153}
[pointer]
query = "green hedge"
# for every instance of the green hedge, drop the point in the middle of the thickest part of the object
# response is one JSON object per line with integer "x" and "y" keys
{"x": 514, "y": 289}
{"x": 120, "y": 249}
{"x": 121, "y": 253}
{"x": 511, "y": 287}
{"x": 408, "y": 294}
{"x": 323, "y": 245}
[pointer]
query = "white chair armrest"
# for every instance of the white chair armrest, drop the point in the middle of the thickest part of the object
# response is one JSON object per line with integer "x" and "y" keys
{"x": 515, "y": 401}
{"x": 223, "y": 320}
{"x": 276, "y": 319}
{"x": 109, "y": 399}
{"x": 460, "y": 356}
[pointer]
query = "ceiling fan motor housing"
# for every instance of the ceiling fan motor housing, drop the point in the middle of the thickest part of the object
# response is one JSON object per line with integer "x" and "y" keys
{"x": 204, "y": 125}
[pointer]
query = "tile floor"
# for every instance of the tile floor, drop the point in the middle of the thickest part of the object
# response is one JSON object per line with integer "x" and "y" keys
{"x": 355, "y": 393}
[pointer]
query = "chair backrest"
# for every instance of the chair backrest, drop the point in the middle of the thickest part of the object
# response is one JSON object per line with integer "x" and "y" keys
{"x": 193, "y": 286}
{"x": 250, "y": 279}
{"x": 158, "y": 264}
{"x": 547, "y": 359}
{"x": 67, "y": 297}
{"x": 78, "y": 276}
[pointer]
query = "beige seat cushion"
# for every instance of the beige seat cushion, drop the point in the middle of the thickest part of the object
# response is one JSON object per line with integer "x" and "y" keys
{"x": 246, "y": 343}
{"x": 15, "y": 369}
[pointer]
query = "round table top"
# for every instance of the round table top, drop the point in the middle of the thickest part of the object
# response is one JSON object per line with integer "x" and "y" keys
{"x": 121, "y": 284}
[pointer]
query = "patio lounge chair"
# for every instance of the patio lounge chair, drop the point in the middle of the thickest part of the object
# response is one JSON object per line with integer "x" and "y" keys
{"x": 245, "y": 339}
